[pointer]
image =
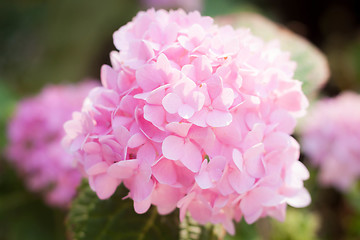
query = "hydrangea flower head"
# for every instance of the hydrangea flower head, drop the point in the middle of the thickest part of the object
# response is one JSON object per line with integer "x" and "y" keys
{"x": 331, "y": 139}
{"x": 35, "y": 134}
{"x": 194, "y": 116}
{"x": 185, "y": 4}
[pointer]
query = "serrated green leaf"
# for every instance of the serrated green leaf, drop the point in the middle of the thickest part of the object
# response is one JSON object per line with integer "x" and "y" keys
{"x": 312, "y": 66}
{"x": 91, "y": 218}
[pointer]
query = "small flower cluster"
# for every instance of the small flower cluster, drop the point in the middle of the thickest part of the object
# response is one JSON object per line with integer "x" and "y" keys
{"x": 194, "y": 116}
{"x": 331, "y": 139}
{"x": 35, "y": 134}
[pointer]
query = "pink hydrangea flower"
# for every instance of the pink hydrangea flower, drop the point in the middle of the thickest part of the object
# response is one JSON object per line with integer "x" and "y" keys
{"x": 194, "y": 116}
{"x": 331, "y": 139}
{"x": 185, "y": 4}
{"x": 35, "y": 134}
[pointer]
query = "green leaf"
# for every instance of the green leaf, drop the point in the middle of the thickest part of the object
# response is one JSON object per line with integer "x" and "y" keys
{"x": 91, "y": 218}
{"x": 312, "y": 66}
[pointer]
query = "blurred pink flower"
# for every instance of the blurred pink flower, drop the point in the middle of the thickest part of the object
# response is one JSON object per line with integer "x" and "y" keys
{"x": 35, "y": 134}
{"x": 185, "y": 4}
{"x": 194, "y": 116}
{"x": 331, "y": 139}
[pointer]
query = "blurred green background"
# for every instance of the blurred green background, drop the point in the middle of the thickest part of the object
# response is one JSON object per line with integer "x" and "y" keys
{"x": 46, "y": 42}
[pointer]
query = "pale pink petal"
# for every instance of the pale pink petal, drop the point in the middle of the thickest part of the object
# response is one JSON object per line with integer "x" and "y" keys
{"x": 142, "y": 206}
{"x": 146, "y": 153}
{"x": 123, "y": 169}
{"x": 173, "y": 147}
{"x": 164, "y": 171}
{"x": 241, "y": 182}
{"x": 97, "y": 168}
{"x": 216, "y": 118}
{"x": 136, "y": 140}
{"x": 191, "y": 158}
{"x": 154, "y": 114}
{"x": 203, "y": 178}
{"x": 105, "y": 185}
{"x": 179, "y": 128}
{"x": 171, "y": 102}
{"x": 302, "y": 199}
{"x": 238, "y": 159}
{"x": 185, "y": 111}
{"x": 141, "y": 187}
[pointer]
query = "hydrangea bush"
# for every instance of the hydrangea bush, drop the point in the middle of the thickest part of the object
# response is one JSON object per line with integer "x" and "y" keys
{"x": 331, "y": 139}
{"x": 35, "y": 134}
{"x": 194, "y": 116}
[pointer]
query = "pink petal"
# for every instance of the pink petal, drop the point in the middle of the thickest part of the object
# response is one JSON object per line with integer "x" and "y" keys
{"x": 136, "y": 140}
{"x": 286, "y": 122}
{"x": 97, "y": 168}
{"x": 253, "y": 162}
{"x": 192, "y": 158}
{"x": 164, "y": 171}
{"x": 105, "y": 185}
{"x": 123, "y": 169}
{"x": 165, "y": 198}
{"x": 121, "y": 134}
{"x": 203, "y": 178}
{"x": 141, "y": 187}
{"x": 92, "y": 148}
{"x": 186, "y": 111}
{"x": 224, "y": 100}
{"x": 147, "y": 154}
{"x": 171, "y": 102}
{"x": 155, "y": 115}
{"x": 216, "y": 167}
{"x": 199, "y": 118}
{"x": 302, "y": 199}
{"x": 200, "y": 212}
{"x": 276, "y": 141}
{"x": 179, "y": 128}
{"x": 196, "y": 100}
{"x": 241, "y": 182}
{"x": 216, "y": 118}
{"x": 142, "y": 206}
{"x": 145, "y": 77}
{"x": 255, "y": 136}
{"x": 173, "y": 147}
{"x": 238, "y": 159}
{"x": 108, "y": 77}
